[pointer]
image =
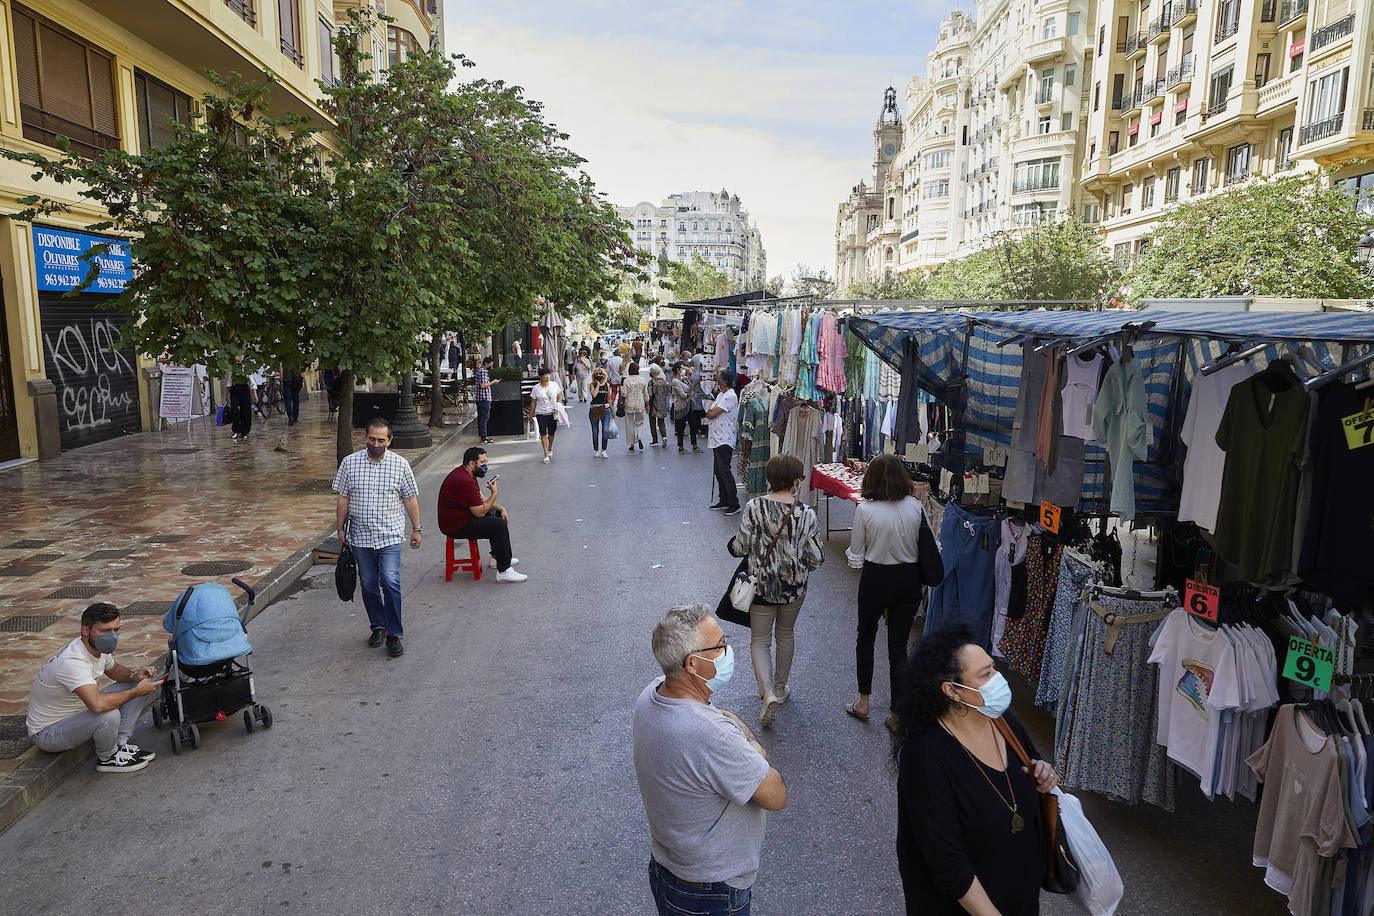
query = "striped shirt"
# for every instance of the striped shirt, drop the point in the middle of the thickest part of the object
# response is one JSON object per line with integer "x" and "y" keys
{"x": 479, "y": 393}
{"x": 376, "y": 491}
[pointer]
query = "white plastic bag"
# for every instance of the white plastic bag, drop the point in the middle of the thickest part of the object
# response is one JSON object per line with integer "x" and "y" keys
{"x": 1099, "y": 887}
{"x": 562, "y": 415}
{"x": 613, "y": 431}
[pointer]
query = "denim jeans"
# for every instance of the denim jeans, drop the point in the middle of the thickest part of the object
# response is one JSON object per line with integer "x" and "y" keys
{"x": 673, "y": 898}
{"x": 968, "y": 546}
{"x": 600, "y": 429}
{"x": 107, "y": 729}
{"x": 483, "y": 414}
{"x": 379, "y": 577}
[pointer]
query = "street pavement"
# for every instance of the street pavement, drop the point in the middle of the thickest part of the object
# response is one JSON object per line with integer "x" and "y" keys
{"x": 488, "y": 770}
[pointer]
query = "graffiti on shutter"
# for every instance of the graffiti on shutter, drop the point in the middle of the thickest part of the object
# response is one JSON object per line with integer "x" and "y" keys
{"x": 91, "y": 363}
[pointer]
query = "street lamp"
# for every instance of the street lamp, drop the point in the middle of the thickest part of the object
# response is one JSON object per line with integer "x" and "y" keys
{"x": 1364, "y": 250}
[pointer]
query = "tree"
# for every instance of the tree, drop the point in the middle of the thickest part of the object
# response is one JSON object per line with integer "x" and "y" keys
{"x": 695, "y": 280}
{"x": 1059, "y": 259}
{"x": 1289, "y": 236}
{"x": 890, "y": 286}
{"x": 976, "y": 276}
{"x": 814, "y": 283}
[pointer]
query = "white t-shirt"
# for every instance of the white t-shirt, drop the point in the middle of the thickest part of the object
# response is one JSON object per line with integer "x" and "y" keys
{"x": 53, "y": 696}
{"x": 1205, "y": 461}
{"x": 613, "y": 369}
{"x": 545, "y": 397}
{"x": 1080, "y": 394}
{"x": 724, "y": 426}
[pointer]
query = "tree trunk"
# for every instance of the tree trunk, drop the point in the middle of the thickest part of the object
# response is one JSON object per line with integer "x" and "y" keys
{"x": 436, "y": 402}
{"x": 343, "y": 436}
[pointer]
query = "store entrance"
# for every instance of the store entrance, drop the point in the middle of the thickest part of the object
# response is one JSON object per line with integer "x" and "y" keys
{"x": 9, "y": 418}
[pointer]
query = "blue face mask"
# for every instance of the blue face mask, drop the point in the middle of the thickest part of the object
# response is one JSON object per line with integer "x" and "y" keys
{"x": 996, "y": 695}
{"x": 725, "y": 669}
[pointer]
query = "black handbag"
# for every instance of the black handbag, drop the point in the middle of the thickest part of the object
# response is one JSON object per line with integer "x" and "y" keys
{"x": 928, "y": 557}
{"x": 346, "y": 572}
{"x": 620, "y": 407}
{"x": 725, "y": 610}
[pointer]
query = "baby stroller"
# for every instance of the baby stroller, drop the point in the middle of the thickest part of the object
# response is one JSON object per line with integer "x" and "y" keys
{"x": 208, "y": 682}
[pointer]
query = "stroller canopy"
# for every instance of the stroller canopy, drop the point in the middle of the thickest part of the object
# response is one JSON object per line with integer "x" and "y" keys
{"x": 209, "y": 630}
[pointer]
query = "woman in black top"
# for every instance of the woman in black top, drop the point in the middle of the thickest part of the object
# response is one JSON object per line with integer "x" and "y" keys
{"x": 600, "y": 412}
{"x": 968, "y": 814}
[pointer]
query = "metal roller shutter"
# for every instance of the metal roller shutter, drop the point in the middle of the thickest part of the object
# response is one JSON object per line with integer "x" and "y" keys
{"x": 92, "y": 365}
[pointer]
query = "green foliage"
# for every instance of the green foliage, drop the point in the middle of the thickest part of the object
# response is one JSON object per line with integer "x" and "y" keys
{"x": 977, "y": 276}
{"x": 907, "y": 286}
{"x": 505, "y": 373}
{"x": 1060, "y": 260}
{"x": 1289, "y": 236}
{"x": 697, "y": 279}
{"x": 814, "y": 283}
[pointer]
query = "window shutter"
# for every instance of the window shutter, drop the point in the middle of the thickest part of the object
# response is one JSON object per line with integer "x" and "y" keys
{"x": 66, "y": 90}
{"x": 26, "y": 59}
{"x": 162, "y": 108}
{"x": 101, "y": 69}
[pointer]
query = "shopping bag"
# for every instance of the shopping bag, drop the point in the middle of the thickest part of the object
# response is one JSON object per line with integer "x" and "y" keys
{"x": 221, "y": 415}
{"x": 613, "y": 430}
{"x": 562, "y": 415}
{"x": 1100, "y": 887}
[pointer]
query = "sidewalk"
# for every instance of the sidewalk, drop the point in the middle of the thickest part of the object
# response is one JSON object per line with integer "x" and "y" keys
{"x": 136, "y": 520}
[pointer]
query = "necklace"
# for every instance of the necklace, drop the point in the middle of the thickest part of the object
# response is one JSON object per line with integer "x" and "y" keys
{"x": 1018, "y": 823}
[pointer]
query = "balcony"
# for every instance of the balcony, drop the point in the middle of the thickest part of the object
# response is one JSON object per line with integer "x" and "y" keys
{"x": 1136, "y": 44}
{"x": 1151, "y": 91}
{"x": 1237, "y": 176}
{"x": 1044, "y": 96}
{"x": 1046, "y": 50}
{"x": 1217, "y": 107}
{"x": 1278, "y": 92}
{"x": 1159, "y": 28}
{"x": 1328, "y": 34}
{"x": 1185, "y": 11}
{"x": 1329, "y": 127}
{"x": 1368, "y": 122}
{"x": 1181, "y": 75}
{"x": 1291, "y": 10}
{"x": 1029, "y": 187}
{"x": 245, "y": 9}
{"x": 1225, "y": 30}
{"x": 1129, "y": 103}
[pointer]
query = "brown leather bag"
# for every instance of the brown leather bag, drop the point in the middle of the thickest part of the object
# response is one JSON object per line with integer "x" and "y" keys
{"x": 1061, "y": 871}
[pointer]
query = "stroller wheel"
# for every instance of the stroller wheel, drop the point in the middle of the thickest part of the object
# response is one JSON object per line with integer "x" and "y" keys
{"x": 195, "y": 737}
{"x": 248, "y": 720}
{"x": 176, "y": 741}
{"x": 157, "y": 716}
{"x": 265, "y": 715}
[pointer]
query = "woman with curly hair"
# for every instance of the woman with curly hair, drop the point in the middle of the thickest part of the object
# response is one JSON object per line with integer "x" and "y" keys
{"x": 969, "y": 835}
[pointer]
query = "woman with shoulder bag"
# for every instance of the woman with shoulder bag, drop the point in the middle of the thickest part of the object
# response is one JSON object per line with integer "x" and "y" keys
{"x": 885, "y": 544}
{"x": 780, "y": 540}
{"x": 600, "y": 412}
{"x": 970, "y": 822}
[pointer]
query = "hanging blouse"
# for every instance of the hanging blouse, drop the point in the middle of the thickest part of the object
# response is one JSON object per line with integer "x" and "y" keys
{"x": 831, "y": 353}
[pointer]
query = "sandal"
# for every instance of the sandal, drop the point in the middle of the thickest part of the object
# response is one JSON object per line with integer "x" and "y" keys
{"x": 855, "y": 713}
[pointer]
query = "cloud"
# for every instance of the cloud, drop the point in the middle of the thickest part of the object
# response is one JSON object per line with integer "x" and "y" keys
{"x": 657, "y": 106}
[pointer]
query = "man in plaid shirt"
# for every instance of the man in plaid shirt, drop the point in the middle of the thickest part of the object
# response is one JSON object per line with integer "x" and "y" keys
{"x": 481, "y": 395}
{"x": 377, "y": 496}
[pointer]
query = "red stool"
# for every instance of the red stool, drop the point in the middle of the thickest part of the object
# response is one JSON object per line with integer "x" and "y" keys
{"x": 472, "y": 564}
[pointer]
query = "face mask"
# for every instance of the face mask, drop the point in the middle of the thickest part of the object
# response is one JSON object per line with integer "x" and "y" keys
{"x": 105, "y": 643}
{"x": 480, "y": 472}
{"x": 996, "y": 695}
{"x": 375, "y": 451}
{"x": 725, "y": 669}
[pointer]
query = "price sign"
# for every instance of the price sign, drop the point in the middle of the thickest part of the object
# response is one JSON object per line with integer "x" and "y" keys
{"x": 890, "y": 447}
{"x": 1359, "y": 429}
{"x": 946, "y": 481}
{"x": 1049, "y": 516}
{"x": 1309, "y": 664}
{"x": 1202, "y": 600}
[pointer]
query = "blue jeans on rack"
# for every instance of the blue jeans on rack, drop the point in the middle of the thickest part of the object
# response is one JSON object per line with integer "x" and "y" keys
{"x": 968, "y": 546}
{"x": 379, "y": 577}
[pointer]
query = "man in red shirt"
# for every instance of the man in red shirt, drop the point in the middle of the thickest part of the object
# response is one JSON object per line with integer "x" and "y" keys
{"x": 463, "y": 513}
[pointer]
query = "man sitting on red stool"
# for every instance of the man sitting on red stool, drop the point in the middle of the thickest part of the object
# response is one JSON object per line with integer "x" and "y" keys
{"x": 464, "y": 514}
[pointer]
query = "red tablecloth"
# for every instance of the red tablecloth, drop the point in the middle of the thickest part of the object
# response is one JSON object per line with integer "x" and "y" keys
{"x": 837, "y": 480}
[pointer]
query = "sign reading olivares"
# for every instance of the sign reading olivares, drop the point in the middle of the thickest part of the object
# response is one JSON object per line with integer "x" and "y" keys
{"x": 86, "y": 356}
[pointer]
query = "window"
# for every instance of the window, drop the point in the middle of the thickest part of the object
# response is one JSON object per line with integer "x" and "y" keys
{"x": 1261, "y": 70}
{"x": 1091, "y": 214}
{"x": 329, "y": 59}
{"x": 378, "y": 54}
{"x": 1031, "y": 214}
{"x": 1228, "y": 19}
{"x": 1325, "y": 97}
{"x": 891, "y": 207}
{"x": 1118, "y": 88}
{"x": 1295, "y": 57}
{"x": 1066, "y": 122}
{"x": 1036, "y": 175}
{"x": 1147, "y": 193}
{"x": 1113, "y": 142}
{"x": 1043, "y": 125}
{"x": 681, "y": 227}
{"x": 1155, "y": 121}
{"x": 1219, "y": 89}
{"x": 1046, "y": 86}
{"x": 1283, "y": 157}
{"x": 1051, "y": 28}
{"x": 1200, "y": 169}
{"x": 1126, "y": 193}
{"x": 1070, "y": 75}
{"x": 1097, "y": 95}
{"x": 158, "y": 106}
{"x": 400, "y": 45}
{"x": 937, "y": 189}
{"x": 1180, "y": 113}
{"x": 1171, "y": 180}
{"x": 289, "y": 30}
{"x": 1073, "y": 23}
{"x": 1121, "y": 252}
{"x": 245, "y": 9}
{"x": 939, "y": 160}
{"x": 66, "y": 86}
{"x": 1237, "y": 163}
{"x": 1101, "y": 40}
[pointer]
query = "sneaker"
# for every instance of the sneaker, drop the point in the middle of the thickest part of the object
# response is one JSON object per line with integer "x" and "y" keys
{"x": 137, "y": 751}
{"x": 510, "y": 575}
{"x": 733, "y": 510}
{"x": 605, "y": 455}
{"x": 121, "y": 761}
{"x": 718, "y": 506}
{"x": 769, "y": 711}
{"x": 514, "y": 561}
{"x": 546, "y": 459}
{"x": 781, "y": 694}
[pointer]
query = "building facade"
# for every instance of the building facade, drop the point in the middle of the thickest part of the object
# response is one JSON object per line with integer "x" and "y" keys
{"x": 714, "y": 226}
{"x": 112, "y": 74}
{"x": 868, "y": 222}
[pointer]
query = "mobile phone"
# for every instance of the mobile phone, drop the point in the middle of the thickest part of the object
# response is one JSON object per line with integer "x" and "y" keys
{"x": 493, "y": 479}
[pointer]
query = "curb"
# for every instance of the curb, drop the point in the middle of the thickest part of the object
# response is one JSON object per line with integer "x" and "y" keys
{"x": 39, "y": 772}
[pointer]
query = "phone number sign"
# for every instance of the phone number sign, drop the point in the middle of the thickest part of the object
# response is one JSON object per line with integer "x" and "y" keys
{"x": 58, "y": 261}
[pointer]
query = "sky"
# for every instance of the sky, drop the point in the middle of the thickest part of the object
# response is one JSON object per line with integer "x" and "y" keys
{"x": 773, "y": 101}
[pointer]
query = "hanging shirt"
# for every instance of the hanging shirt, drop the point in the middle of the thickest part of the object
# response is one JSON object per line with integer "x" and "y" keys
{"x": 831, "y": 350}
{"x": 1080, "y": 394}
{"x": 1339, "y": 542}
{"x": 1119, "y": 423}
{"x": 1205, "y": 461}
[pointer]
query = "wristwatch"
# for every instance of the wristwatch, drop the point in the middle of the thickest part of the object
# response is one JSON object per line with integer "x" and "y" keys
{"x": 418, "y": 528}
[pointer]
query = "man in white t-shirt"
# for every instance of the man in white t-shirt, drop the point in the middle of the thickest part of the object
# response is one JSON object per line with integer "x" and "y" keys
{"x": 66, "y": 710}
{"x": 723, "y": 416}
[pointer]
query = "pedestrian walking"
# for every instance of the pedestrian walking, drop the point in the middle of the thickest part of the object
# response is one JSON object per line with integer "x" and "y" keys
{"x": 614, "y": 363}
{"x": 544, "y": 400}
{"x": 243, "y": 400}
{"x": 659, "y": 391}
{"x": 634, "y": 391}
{"x": 724, "y": 419}
{"x": 779, "y": 538}
{"x": 376, "y": 496}
{"x": 969, "y": 833}
{"x": 885, "y": 545}
{"x": 291, "y": 383}
{"x": 465, "y": 514}
{"x": 682, "y": 406}
{"x": 698, "y": 383}
{"x": 703, "y": 776}
{"x": 599, "y": 413}
{"x": 582, "y": 370}
{"x": 481, "y": 397}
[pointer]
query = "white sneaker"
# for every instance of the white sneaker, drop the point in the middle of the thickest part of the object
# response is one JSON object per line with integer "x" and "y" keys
{"x": 137, "y": 751}
{"x": 121, "y": 761}
{"x": 514, "y": 561}
{"x": 769, "y": 710}
{"x": 510, "y": 575}
{"x": 546, "y": 459}
{"x": 781, "y": 696}
{"x": 604, "y": 455}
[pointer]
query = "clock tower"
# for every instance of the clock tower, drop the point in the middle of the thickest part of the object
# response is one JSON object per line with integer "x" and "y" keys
{"x": 887, "y": 138}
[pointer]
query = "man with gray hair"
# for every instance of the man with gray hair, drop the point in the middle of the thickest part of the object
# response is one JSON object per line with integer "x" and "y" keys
{"x": 704, "y": 777}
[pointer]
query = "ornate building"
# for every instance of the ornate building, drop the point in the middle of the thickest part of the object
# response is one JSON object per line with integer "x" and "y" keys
{"x": 868, "y": 223}
{"x": 714, "y": 226}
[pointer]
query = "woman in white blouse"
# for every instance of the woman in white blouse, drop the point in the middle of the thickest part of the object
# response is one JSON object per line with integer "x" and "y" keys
{"x": 884, "y": 544}
{"x": 544, "y": 400}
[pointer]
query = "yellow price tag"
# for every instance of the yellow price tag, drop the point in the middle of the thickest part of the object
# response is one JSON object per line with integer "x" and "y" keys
{"x": 1359, "y": 429}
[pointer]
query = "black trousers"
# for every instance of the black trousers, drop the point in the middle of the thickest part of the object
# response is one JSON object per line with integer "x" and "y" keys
{"x": 681, "y": 425}
{"x": 241, "y": 401}
{"x": 725, "y": 475}
{"x": 658, "y": 428}
{"x": 896, "y": 589}
{"x": 488, "y": 528}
